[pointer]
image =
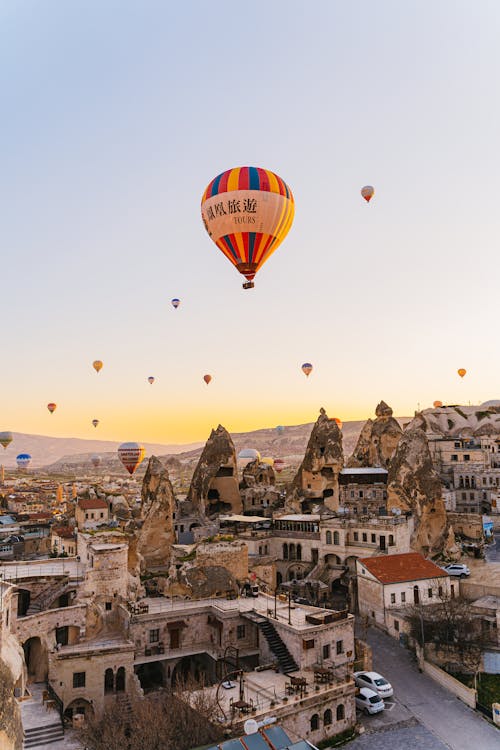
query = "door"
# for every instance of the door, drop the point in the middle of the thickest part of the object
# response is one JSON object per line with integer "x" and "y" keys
{"x": 416, "y": 595}
{"x": 314, "y": 555}
{"x": 382, "y": 543}
{"x": 174, "y": 638}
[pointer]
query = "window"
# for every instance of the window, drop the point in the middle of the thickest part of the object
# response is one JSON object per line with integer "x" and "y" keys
{"x": 440, "y": 591}
{"x": 109, "y": 681}
{"x": 452, "y": 591}
{"x": 374, "y": 538}
{"x": 86, "y": 516}
{"x": 120, "y": 680}
{"x": 328, "y": 537}
{"x": 364, "y": 537}
{"x": 314, "y": 722}
{"x": 291, "y": 552}
{"x": 308, "y": 644}
{"x": 466, "y": 457}
{"x": 154, "y": 635}
{"x": 393, "y": 598}
{"x": 102, "y": 515}
{"x": 356, "y": 536}
{"x": 340, "y": 712}
{"x": 454, "y": 457}
{"x": 429, "y": 593}
{"x": 396, "y": 625}
{"x": 336, "y": 537}
{"x": 327, "y": 717}
{"x": 92, "y": 515}
{"x": 326, "y": 651}
{"x": 108, "y": 606}
{"x": 240, "y": 632}
{"x": 361, "y": 493}
{"x": 391, "y": 540}
{"x": 403, "y": 597}
{"x": 352, "y": 493}
{"x": 285, "y": 552}
{"x": 299, "y": 552}
{"x": 78, "y": 679}
{"x": 340, "y": 647}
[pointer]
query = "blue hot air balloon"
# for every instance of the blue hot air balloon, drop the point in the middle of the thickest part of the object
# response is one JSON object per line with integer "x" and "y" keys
{"x": 176, "y": 302}
{"x": 23, "y": 460}
{"x": 280, "y": 429}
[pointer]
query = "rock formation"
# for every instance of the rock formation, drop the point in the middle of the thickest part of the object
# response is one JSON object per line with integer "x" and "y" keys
{"x": 11, "y": 728}
{"x": 462, "y": 421}
{"x": 378, "y": 440}
{"x": 316, "y": 480}
{"x": 156, "y": 535}
{"x": 214, "y": 486}
{"x": 256, "y": 474}
{"x": 413, "y": 484}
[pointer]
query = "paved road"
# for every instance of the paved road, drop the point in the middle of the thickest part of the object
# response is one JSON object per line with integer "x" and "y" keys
{"x": 493, "y": 550}
{"x": 446, "y": 718}
{"x": 414, "y": 737}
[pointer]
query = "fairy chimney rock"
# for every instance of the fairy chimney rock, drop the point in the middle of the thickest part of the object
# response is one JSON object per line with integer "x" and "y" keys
{"x": 214, "y": 486}
{"x": 156, "y": 535}
{"x": 378, "y": 440}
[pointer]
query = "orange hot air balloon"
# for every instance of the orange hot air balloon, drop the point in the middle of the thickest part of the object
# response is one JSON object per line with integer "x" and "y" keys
{"x": 462, "y": 372}
{"x": 307, "y": 369}
{"x": 131, "y": 455}
{"x": 97, "y": 365}
{"x": 247, "y": 211}
{"x": 368, "y": 192}
{"x": 207, "y": 378}
{"x": 51, "y": 407}
{"x": 437, "y": 404}
{"x": 338, "y": 422}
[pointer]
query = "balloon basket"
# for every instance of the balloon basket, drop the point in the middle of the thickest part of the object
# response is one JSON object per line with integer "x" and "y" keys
{"x": 248, "y": 285}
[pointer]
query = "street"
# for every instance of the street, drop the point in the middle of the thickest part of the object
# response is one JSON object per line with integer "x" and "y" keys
{"x": 422, "y": 715}
{"x": 492, "y": 553}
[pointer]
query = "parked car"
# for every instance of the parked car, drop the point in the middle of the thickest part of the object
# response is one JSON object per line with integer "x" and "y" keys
{"x": 369, "y": 701}
{"x": 374, "y": 681}
{"x": 457, "y": 569}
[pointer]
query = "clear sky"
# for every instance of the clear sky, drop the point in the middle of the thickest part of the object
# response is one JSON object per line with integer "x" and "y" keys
{"x": 115, "y": 115}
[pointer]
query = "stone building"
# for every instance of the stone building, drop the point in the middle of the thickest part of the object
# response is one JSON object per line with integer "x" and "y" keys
{"x": 363, "y": 490}
{"x": 91, "y": 512}
{"x": 63, "y": 540}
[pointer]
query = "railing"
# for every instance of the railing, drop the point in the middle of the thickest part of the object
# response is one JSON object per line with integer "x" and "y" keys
{"x": 60, "y": 705}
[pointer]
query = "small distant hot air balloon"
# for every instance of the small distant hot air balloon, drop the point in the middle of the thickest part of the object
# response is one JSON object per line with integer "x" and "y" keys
{"x": 97, "y": 365}
{"x": 462, "y": 372}
{"x": 367, "y": 192}
{"x": 51, "y": 407}
{"x": 247, "y": 212}
{"x": 280, "y": 429}
{"x": 176, "y": 302}
{"x": 307, "y": 369}
{"x": 279, "y": 465}
{"x": 249, "y": 454}
{"x": 6, "y": 439}
{"x": 95, "y": 460}
{"x": 95, "y": 422}
{"x": 207, "y": 378}
{"x": 151, "y": 380}
{"x": 131, "y": 455}
{"x": 338, "y": 422}
{"x": 437, "y": 404}
{"x": 23, "y": 460}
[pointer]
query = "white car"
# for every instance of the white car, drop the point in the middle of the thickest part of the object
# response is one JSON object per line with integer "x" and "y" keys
{"x": 374, "y": 681}
{"x": 457, "y": 569}
{"x": 369, "y": 701}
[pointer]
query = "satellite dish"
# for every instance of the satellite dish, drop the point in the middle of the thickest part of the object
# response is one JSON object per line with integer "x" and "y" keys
{"x": 250, "y": 726}
{"x": 396, "y": 511}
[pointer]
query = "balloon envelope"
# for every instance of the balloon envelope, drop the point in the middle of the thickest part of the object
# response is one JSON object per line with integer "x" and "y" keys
{"x": 249, "y": 454}
{"x": 367, "y": 192}
{"x": 280, "y": 429}
{"x": 151, "y": 380}
{"x": 462, "y": 372}
{"x": 23, "y": 460}
{"x": 176, "y": 302}
{"x": 267, "y": 460}
{"x": 279, "y": 465}
{"x": 307, "y": 368}
{"x": 207, "y": 378}
{"x": 52, "y": 407}
{"x": 95, "y": 460}
{"x": 437, "y": 404}
{"x": 95, "y": 422}
{"x": 97, "y": 365}
{"x": 6, "y": 438}
{"x": 338, "y": 422}
{"x": 247, "y": 211}
{"x": 131, "y": 455}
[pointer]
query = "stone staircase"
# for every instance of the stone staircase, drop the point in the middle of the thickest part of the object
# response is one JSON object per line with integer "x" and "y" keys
{"x": 41, "y": 725}
{"x": 285, "y": 659}
{"x": 49, "y": 595}
{"x": 43, "y": 735}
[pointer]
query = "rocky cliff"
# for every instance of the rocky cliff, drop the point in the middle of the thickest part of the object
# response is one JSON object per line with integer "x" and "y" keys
{"x": 413, "y": 484}
{"x": 462, "y": 421}
{"x": 378, "y": 440}
{"x": 156, "y": 534}
{"x": 214, "y": 486}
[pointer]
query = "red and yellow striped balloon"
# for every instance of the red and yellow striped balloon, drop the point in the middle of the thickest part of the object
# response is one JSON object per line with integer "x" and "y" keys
{"x": 247, "y": 211}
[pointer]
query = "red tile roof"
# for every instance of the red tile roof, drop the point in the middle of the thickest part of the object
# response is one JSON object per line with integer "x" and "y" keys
{"x": 65, "y": 532}
{"x": 409, "y": 566}
{"x": 92, "y": 504}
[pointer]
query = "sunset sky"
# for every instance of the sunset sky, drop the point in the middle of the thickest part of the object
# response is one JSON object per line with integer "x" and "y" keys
{"x": 116, "y": 115}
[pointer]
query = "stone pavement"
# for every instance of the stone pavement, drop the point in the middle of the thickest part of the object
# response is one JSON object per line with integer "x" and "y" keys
{"x": 413, "y": 737}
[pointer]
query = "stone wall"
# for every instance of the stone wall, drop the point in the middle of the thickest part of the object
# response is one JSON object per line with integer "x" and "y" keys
{"x": 464, "y": 693}
{"x": 230, "y": 555}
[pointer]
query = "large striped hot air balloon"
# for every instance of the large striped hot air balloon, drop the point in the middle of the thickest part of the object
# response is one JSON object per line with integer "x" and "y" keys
{"x": 247, "y": 211}
{"x": 23, "y": 460}
{"x": 5, "y": 439}
{"x": 131, "y": 455}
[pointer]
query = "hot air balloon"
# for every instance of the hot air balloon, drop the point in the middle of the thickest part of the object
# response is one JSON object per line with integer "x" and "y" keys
{"x": 95, "y": 422}
{"x": 280, "y": 429}
{"x": 247, "y": 211}
{"x": 267, "y": 461}
{"x": 176, "y": 302}
{"x": 307, "y": 369}
{"x": 367, "y": 192}
{"x": 462, "y": 372}
{"x": 279, "y": 465}
{"x": 131, "y": 455}
{"x": 151, "y": 380}
{"x": 23, "y": 460}
{"x": 437, "y": 404}
{"x": 6, "y": 439}
{"x": 207, "y": 378}
{"x": 51, "y": 407}
{"x": 249, "y": 454}
{"x": 95, "y": 460}
{"x": 97, "y": 365}
{"x": 338, "y": 422}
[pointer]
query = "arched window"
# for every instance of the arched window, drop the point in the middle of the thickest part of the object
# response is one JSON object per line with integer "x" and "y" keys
{"x": 299, "y": 552}
{"x": 285, "y": 551}
{"x": 279, "y": 578}
{"x": 120, "y": 680}
{"x": 327, "y": 717}
{"x": 314, "y": 722}
{"x": 291, "y": 552}
{"x": 340, "y": 712}
{"x": 336, "y": 537}
{"x": 461, "y": 482}
{"x": 467, "y": 482}
{"x": 473, "y": 482}
{"x": 391, "y": 540}
{"x": 328, "y": 537}
{"x": 109, "y": 681}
